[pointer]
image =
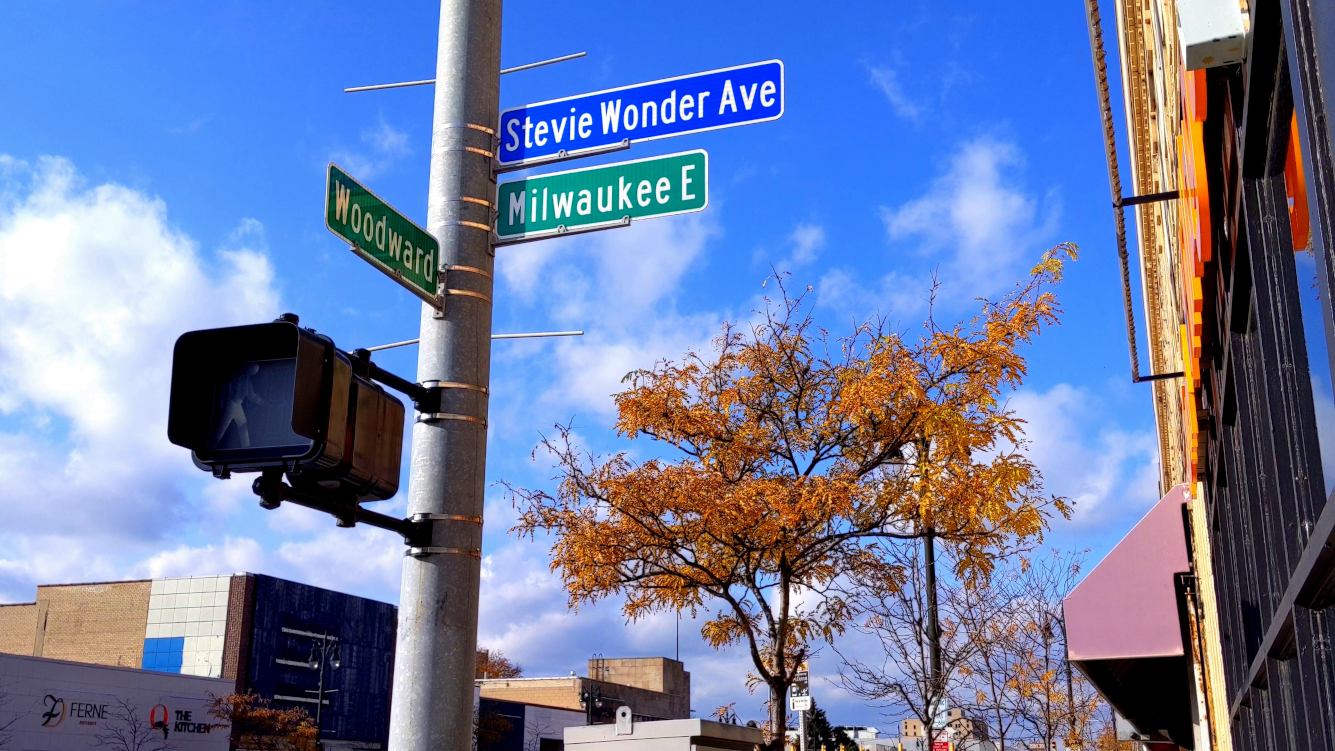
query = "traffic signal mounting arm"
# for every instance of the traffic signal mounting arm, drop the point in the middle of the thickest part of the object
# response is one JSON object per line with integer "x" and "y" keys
{"x": 272, "y": 491}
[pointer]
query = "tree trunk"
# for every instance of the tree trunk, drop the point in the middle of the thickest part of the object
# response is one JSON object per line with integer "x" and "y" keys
{"x": 778, "y": 713}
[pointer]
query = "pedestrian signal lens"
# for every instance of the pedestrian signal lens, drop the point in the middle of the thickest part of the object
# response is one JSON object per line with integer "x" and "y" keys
{"x": 253, "y": 407}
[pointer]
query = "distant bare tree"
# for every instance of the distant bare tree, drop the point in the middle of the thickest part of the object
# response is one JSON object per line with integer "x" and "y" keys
{"x": 533, "y": 735}
{"x": 1047, "y": 683}
{"x": 6, "y": 737}
{"x": 989, "y": 614}
{"x": 125, "y": 729}
{"x": 894, "y": 612}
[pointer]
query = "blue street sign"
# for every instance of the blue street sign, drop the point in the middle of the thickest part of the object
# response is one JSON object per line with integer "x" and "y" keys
{"x": 671, "y": 107}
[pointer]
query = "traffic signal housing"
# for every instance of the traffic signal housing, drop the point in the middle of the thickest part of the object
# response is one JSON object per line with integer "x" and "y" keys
{"x": 279, "y": 398}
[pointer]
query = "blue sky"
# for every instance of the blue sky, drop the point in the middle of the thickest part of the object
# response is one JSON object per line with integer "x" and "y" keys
{"x": 162, "y": 169}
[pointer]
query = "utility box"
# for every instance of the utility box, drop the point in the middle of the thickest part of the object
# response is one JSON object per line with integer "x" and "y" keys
{"x": 1212, "y": 32}
{"x": 664, "y": 735}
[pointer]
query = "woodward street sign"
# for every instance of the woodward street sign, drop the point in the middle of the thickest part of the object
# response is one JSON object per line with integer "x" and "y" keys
{"x": 381, "y": 235}
{"x": 608, "y": 195}
{"x": 657, "y": 109}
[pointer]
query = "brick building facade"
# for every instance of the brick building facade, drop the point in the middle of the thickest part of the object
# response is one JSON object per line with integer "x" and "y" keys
{"x": 254, "y": 630}
{"x": 655, "y": 688}
{"x": 100, "y": 623}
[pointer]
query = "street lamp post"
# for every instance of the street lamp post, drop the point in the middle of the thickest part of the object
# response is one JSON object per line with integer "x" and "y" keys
{"x": 324, "y": 651}
{"x": 590, "y": 699}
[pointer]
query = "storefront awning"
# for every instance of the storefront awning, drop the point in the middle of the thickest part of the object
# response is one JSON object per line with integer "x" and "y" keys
{"x": 1124, "y": 628}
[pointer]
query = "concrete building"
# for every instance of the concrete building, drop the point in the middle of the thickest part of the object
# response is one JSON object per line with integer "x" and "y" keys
{"x": 253, "y": 630}
{"x": 522, "y": 727}
{"x": 655, "y": 688}
{"x": 671, "y": 735}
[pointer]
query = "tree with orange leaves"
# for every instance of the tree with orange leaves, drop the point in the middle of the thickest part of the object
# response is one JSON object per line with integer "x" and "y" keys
{"x": 492, "y": 663}
{"x": 801, "y": 458}
{"x": 255, "y": 724}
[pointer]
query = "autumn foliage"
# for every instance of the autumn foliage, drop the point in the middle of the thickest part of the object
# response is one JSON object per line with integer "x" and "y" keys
{"x": 492, "y": 663}
{"x": 258, "y": 726}
{"x": 798, "y": 458}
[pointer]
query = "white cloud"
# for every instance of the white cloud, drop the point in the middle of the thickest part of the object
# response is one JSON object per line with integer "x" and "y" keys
{"x": 887, "y": 80}
{"x": 386, "y": 144}
{"x": 619, "y": 287}
{"x": 977, "y": 216}
{"x": 801, "y": 248}
{"x": 1084, "y": 454}
{"x": 808, "y": 241}
{"x": 95, "y": 286}
{"x": 894, "y": 295}
{"x": 975, "y": 224}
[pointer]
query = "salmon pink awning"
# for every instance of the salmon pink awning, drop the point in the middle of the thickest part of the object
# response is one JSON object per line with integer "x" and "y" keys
{"x": 1124, "y": 625}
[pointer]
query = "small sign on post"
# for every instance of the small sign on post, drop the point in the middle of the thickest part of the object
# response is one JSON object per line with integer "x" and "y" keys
{"x": 608, "y": 195}
{"x": 381, "y": 235}
{"x": 799, "y": 703}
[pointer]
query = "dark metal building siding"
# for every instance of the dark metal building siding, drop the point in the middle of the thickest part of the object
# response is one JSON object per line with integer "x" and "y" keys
{"x": 359, "y": 710}
{"x": 1271, "y": 528}
{"x": 504, "y": 725}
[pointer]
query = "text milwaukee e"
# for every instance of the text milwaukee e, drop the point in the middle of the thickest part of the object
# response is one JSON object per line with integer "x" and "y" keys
{"x": 583, "y": 198}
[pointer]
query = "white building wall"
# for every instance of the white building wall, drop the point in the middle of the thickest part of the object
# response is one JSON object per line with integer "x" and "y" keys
{"x": 56, "y": 705}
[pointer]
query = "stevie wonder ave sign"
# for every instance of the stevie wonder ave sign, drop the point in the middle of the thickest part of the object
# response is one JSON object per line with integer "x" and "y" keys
{"x": 711, "y": 100}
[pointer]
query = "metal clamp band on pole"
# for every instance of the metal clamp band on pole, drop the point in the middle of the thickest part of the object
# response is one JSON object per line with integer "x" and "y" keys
{"x": 468, "y": 269}
{"x": 419, "y": 552}
{"x": 470, "y": 126}
{"x": 465, "y": 223}
{"x": 453, "y": 385}
{"x": 434, "y": 416}
{"x": 446, "y": 518}
{"x": 465, "y": 293}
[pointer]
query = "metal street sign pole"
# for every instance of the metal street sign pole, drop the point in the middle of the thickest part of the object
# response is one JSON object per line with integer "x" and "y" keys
{"x": 438, "y": 604}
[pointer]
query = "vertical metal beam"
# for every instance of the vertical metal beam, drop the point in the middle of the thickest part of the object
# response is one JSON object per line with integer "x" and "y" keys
{"x": 437, "y": 636}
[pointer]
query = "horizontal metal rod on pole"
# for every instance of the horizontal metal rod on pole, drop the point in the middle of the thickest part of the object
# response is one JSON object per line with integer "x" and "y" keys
{"x": 537, "y": 335}
{"x": 399, "y": 85}
{"x": 534, "y": 335}
{"x": 541, "y": 63}
{"x": 1167, "y": 195}
{"x": 1158, "y": 377}
{"x": 426, "y": 81}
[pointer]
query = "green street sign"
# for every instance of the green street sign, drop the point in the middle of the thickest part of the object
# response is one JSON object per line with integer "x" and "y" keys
{"x": 378, "y": 233}
{"x": 605, "y": 196}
